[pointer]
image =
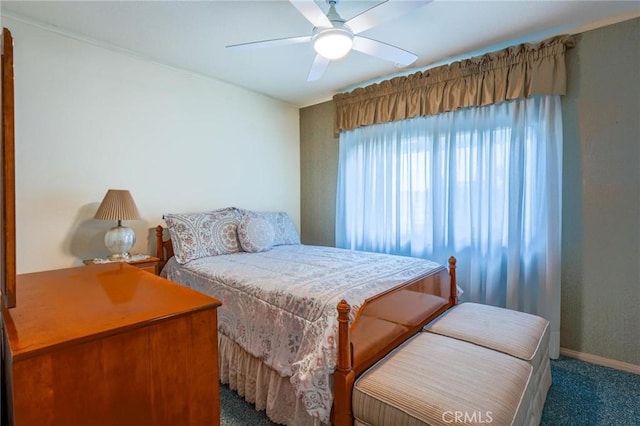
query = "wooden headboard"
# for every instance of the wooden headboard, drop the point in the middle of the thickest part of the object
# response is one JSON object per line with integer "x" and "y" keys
{"x": 164, "y": 248}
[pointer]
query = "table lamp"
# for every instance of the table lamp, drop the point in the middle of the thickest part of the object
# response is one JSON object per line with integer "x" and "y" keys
{"x": 118, "y": 205}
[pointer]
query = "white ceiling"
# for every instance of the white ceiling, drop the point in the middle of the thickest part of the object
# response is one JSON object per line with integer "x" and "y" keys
{"x": 192, "y": 35}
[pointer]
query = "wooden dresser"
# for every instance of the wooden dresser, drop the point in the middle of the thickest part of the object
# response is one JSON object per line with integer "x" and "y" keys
{"x": 110, "y": 344}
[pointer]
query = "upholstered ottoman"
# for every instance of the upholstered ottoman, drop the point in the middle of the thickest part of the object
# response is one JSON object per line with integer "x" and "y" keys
{"x": 518, "y": 334}
{"x": 437, "y": 380}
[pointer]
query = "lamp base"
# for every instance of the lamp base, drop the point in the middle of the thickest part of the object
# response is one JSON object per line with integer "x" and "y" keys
{"x": 118, "y": 257}
{"x": 119, "y": 241}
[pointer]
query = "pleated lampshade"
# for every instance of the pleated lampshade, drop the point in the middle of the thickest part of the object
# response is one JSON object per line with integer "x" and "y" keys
{"x": 117, "y": 204}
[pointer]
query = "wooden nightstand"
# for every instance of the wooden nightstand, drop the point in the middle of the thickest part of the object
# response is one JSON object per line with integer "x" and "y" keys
{"x": 150, "y": 264}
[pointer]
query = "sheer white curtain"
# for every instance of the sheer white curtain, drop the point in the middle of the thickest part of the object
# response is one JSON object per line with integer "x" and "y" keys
{"x": 483, "y": 184}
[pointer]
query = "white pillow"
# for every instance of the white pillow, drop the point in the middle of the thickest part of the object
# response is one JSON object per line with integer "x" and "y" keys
{"x": 255, "y": 233}
{"x": 285, "y": 232}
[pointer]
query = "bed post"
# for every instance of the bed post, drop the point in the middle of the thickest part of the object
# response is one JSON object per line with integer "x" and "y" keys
{"x": 159, "y": 247}
{"x": 453, "y": 295}
{"x": 344, "y": 376}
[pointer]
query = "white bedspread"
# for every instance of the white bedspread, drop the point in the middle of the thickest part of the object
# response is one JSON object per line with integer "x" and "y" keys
{"x": 280, "y": 305}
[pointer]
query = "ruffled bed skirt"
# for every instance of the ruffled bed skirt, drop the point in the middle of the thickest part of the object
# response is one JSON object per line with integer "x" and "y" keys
{"x": 261, "y": 385}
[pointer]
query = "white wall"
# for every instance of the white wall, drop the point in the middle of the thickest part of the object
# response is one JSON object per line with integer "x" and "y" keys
{"x": 89, "y": 119}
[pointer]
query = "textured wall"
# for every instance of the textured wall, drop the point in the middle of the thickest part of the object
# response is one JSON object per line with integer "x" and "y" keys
{"x": 601, "y": 195}
{"x": 601, "y": 191}
{"x": 318, "y": 174}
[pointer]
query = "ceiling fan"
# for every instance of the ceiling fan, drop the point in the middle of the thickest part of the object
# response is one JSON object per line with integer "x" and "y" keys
{"x": 333, "y": 37}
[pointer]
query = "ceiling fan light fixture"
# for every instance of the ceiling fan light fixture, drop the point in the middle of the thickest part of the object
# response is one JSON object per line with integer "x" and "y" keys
{"x": 333, "y": 43}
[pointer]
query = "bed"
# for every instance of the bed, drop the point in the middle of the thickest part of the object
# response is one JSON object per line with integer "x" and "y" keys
{"x": 298, "y": 323}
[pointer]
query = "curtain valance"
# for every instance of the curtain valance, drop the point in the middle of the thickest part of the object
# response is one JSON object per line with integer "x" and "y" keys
{"x": 515, "y": 72}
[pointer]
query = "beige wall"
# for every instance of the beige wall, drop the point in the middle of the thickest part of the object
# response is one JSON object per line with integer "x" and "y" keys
{"x": 89, "y": 119}
{"x": 601, "y": 192}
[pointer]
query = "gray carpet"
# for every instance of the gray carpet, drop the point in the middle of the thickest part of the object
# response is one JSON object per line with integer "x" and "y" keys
{"x": 582, "y": 394}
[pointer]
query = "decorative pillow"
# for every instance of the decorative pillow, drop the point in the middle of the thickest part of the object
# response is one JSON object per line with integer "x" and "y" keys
{"x": 203, "y": 234}
{"x": 285, "y": 230}
{"x": 233, "y": 211}
{"x": 255, "y": 233}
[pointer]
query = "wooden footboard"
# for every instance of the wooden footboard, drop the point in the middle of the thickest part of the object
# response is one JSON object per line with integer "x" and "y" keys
{"x": 382, "y": 323}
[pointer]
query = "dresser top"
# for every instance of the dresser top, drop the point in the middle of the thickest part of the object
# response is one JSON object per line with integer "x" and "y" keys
{"x": 68, "y": 306}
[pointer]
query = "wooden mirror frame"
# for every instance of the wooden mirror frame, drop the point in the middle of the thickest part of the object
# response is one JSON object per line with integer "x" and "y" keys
{"x": 7, "y": 153}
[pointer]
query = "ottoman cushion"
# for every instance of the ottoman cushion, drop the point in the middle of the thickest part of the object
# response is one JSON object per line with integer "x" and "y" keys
{"x": 436, "y": 380}
{"x": 518, "y": 334}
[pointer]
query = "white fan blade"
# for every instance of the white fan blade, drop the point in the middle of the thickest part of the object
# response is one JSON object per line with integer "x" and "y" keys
{"x": 318, "y": 67}
{"x": 271, "y": 43}
{"x": 382, "y": 12}
{"x": 310, "y": 10}
{"x": 383, "y": 50}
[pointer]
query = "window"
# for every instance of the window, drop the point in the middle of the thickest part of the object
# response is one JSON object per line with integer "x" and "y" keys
{"x": 482, "y": 184}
